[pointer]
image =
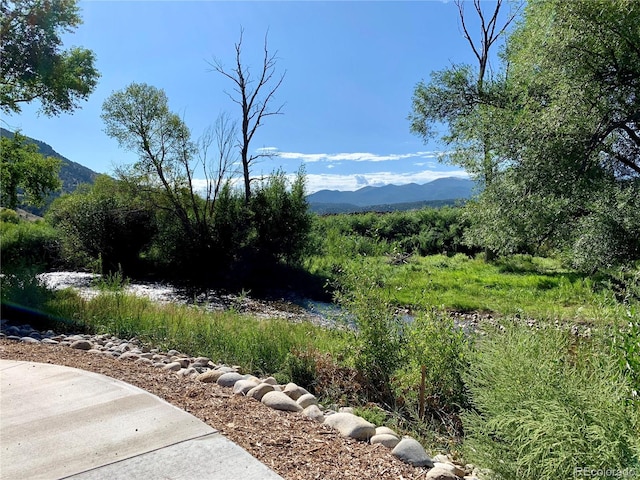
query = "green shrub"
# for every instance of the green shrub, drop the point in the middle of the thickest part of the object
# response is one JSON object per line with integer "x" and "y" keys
{"x": 9, "y": 216}
{"x": 281, "y": 219}
{"x": 378, "y": 334}
{"x": 29, "y": 243}
{"x": 433, "y": 344}
{"x": 372, "y": 413}
{"x": 626, "y": 343}
{"x": 105, "y": 222}
{"x": 545, "y": 403}
{"x": 424, "y": 232}
{"x": 20, "y": 286}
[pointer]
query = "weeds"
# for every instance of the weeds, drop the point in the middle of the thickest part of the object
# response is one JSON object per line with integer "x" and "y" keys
{"x": 378, "y": 336}
{"x": 260, "y": 346}
{"x": 429, "y": 384}
{"x": 545, "y": 402}
{"x": 111, "y": 282}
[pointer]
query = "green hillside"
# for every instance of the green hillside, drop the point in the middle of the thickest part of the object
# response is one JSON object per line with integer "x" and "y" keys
{"x": 72, "y": 173}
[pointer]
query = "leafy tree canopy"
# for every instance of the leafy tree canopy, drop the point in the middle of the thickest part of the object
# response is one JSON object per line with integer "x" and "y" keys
{"x": 32, "y": 61}
{"x": 555, "y": 135}
{"x": 575, "y": 72}
{"x": 24, "y": 171}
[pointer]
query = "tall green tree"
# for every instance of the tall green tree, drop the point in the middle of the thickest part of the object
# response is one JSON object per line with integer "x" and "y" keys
{"x": 575, "y": 70}
{"x": 139, "y": 118}
{"x": 33, "y": 64}
{"x": 467, "y": 100}
{"x": 203, "y": 226}
{"x": 25, "y": 175}
{"x": 573, "y": 129}
{"x": 555, "y": 137}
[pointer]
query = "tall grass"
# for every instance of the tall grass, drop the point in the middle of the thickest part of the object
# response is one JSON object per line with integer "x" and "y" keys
{"x": 546, "y": 403}
{"x": 259, "y": 346}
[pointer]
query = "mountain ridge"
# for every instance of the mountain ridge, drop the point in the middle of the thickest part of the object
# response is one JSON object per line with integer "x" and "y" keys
{"x": 447, "y": 189}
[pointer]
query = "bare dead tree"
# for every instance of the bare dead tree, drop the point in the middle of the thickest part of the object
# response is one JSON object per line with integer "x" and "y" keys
{"x": 488, "y": 33}
{"x": 254, "y": 95}
{"x": 218, "y": 168}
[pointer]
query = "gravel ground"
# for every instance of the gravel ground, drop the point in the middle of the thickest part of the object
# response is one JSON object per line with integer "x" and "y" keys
{"x": 292, "y": 445}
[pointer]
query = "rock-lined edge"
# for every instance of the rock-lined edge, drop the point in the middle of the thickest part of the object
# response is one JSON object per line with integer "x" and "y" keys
{"x": 298, "y": 399}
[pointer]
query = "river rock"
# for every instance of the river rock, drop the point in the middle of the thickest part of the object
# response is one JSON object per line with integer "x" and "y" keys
{"x": 241, "y": 387}
{"x": 314, "y": 413}
{"x": 441, "y": 458}
{"x": 129, "y": 356}
{"x": 187, "y": 372}
{"x": 389, "y": 441}
{"x": 81, "y": 345}
{"x": 294, "y": 391}
{"x": 440, "y": 473}
{"x": 259, "y": 390}
{"x": 307, "y": 399}
{"x": 201, "y": 362}
{"x": 280, "y": 401}
{"x": 457, "y": 470}
{"x": 184, "y": 362}
{"x": 229, "y": 379}
{"x": 270, "y": 381}
{"x": 410, "y": 451}
{"x": 211, "y": 376}
{"x": 386, "y": 431}
{"x": 172, "y": 367}
{"x": 145, "y": 361}
{"x": 350, "y": 425}
{"x": 29, "y": 340}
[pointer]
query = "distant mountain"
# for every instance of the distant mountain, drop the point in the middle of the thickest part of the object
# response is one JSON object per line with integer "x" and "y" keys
{"x": 447, "y": 189}
{"x": 72, "y": 174}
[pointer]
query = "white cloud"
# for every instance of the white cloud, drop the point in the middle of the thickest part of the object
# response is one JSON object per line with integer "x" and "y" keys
{"x": 330, "y": 181}
{"x": 350, "y": 157}
{"x": 361, "y": 180}
{"x": 425, "y": 164}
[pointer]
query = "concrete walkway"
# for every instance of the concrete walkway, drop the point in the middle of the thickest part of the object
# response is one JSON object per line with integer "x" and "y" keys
{"x": 60, "y": 422}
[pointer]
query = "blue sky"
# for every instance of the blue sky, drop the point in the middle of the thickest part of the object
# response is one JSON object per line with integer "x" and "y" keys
{"x": 351, "y": 68}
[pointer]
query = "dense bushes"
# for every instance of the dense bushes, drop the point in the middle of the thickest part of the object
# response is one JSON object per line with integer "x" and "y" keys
{"x": 421, "y": 232}
{"x": 280, "y": 220}
{"x": 378, "y": 337}
{"x": 103, "y": 223}
{"x": 430, "y": 380}
{"x": 27, "y": 243}
{"x": 120, "y": 226}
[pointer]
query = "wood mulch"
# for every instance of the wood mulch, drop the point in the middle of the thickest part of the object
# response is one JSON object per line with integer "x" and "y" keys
{"x": 290, "y": 444}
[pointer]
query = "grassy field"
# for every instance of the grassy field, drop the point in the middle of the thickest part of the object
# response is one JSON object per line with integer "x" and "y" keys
{"x": 532, "y": 287}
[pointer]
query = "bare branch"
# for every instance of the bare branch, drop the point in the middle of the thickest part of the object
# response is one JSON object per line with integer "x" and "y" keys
{"x": 254, "y": 95}
{"x": 487, "y": 32}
